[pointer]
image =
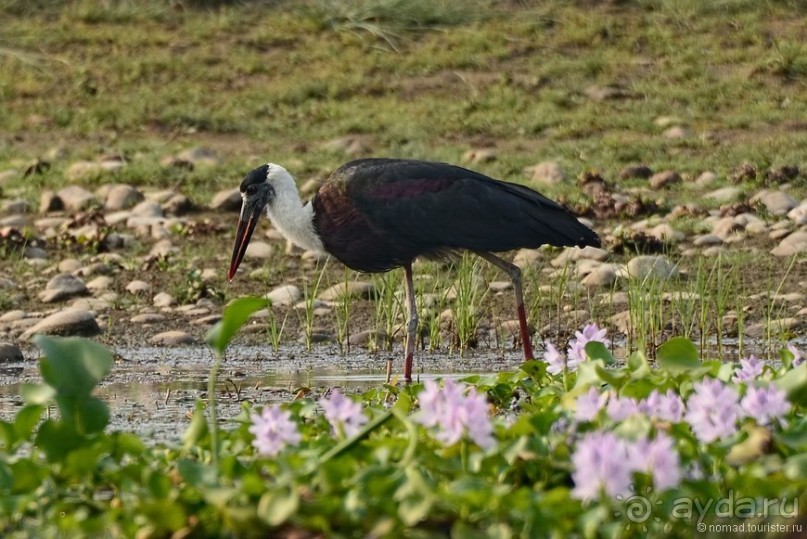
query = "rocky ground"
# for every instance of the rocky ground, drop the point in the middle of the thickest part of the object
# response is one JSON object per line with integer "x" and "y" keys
{"x": 136, "y": 266}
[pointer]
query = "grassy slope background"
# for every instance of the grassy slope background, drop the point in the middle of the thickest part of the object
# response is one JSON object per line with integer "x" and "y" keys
{"x": 260, "y": 80}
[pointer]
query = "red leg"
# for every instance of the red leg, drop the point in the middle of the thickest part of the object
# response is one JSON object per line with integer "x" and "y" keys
{"x": 514, "y": 272}
{"x": 412, "y": 323}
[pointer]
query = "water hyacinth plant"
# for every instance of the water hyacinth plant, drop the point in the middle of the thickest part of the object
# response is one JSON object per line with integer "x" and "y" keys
{"x": 526, "y": 453}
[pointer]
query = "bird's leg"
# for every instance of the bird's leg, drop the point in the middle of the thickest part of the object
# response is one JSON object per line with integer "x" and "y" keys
{"x": 412, "y": 323}
{"x": 514, "y": 272}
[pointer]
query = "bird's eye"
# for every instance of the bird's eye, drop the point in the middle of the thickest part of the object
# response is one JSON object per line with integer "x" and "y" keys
{"x": 251, "y": 190}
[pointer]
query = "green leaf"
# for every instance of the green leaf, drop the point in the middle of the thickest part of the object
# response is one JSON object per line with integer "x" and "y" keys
{"x": 638, "y": 365}
{"x": 26, "y": 420}
{"x": 26, "y": 476}
{"x": 275, "y": 507}
{"x": 597, "y": 350}
{"x": 678, "y": 355}
{"x": 588, "y": 373}
{"x": 57, "y": 439}
{"x": 37, "y": 393}
{"x": 219, "y": 496}
{"x": 415, "y": 497}
{"x": 91, "y": 415}
{"x": 72, "y": 365}
{"x": 235, "y": 315}
{"x": 198, "y": 475}
{"x": 534, "y": 368}
{"x": 794, "y": 383}
{"x": 795, "y": 467}
{"x": 348, "y": 444}
{"x": 197, "y": 429}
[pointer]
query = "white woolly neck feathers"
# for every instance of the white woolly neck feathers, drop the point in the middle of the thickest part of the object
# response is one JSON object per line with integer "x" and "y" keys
{"x": 288, "y": 213}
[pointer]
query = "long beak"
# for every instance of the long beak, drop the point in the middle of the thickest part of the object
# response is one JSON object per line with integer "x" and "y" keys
{"x": 242, "y": 237}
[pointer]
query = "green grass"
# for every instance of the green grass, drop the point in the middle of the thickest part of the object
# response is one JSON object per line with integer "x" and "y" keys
{"x": 430, "y": 80}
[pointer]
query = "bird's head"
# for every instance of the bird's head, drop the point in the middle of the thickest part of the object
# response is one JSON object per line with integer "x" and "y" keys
{"x": 258, "y": 190}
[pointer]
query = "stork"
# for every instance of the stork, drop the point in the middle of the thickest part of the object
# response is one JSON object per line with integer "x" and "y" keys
{"x": 374, "y": 215}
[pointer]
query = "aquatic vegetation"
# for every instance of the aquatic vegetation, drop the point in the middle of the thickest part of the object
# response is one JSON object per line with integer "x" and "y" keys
{"x": 632, "y": 449}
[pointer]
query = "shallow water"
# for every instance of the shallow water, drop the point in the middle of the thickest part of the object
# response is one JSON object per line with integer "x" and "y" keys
{"x": 151, "y": 391}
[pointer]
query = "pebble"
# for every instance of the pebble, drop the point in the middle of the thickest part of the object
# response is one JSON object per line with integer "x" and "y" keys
{"x": 725, "y": 194}
{"x": 172, "y": 338}
{"x": 284, "y": 295}
{"x": 49, "y": 202}
{"x": 653, "y": 266}
{"x": 792, "y": 244}
{"x": 194, "y": 311}
{"x": 546, "y": 173}
{"x": 163, "y": 300}
{"x": 227, "y": 201}
{"x": 83, "y": 171}
{"x": 527, "y": 258}
{"x": 351, "y": 145}
{"x": 68, "y": 265}
{"x": 775, "y": 326}
{"x": 665, "y": 232}
{"x": 676, "y": 132}
{"x": 13, "y": 316}
{"x": 178, "y": 205}
{"x": 259, "y": 249}
{"x": 776, "y": 202}
{"x": 138, "y": 287}
{"x": 367, "y": 337}
{"x": 208, "y": 320}
{"x": 604, "y": 275}
{"x": 147, "y": 208}
{"x": 705, "y": 178}
{"x": 13, "y": 207}
{"x": 13, "y": 221}
{"x": 500, "y": 286}
{"x": 479, "y": 155}
{"x": 75, "y": 198}
{"x": 706, "y": 240}
{"x": 121, "y": 197}
{"x": 511, "y": 328}
{"x": 62, "y": 287}
{"x": 352, "y": 289}
{"x": 799, "y": 214}
{"x": 200, "y": 156}
{"x": 68, "y": 322}
{"x": 663, "y": 179}
{"x": 10, "y": 352}
{"x": 576, "y": 253}
{"x": 102, "y": 283}
{"x": 640, "y": 171}
{"x": 148, "y": 318}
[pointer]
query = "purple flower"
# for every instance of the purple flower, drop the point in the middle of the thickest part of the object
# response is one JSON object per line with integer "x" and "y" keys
{"x": 588, "y": 405}
{"x": 345, "y": 416}
{"x": 667, "y": 407}
{"x": 554, "y": 359}
{"x": 749, "y": 369}
{"x": 621, "y": 408}
{"x": 659, "y": 459}
{"x": 273, "y": 430}
{"x": 798, "y": 359}
{"x": 713, "y": 410}
{"x": 577, "y": 346}
{"x": 765, "y": 404}
{"x": 601, "y": 463}
{"x": 455, "y": 414}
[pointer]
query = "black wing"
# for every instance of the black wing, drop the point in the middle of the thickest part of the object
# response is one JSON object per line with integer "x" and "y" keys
{"x": 429, "y": 207}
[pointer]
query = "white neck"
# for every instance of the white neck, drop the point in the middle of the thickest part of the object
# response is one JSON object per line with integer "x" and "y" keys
{"x": 287, "y": 212}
